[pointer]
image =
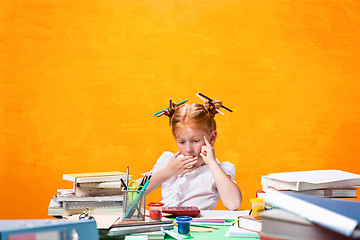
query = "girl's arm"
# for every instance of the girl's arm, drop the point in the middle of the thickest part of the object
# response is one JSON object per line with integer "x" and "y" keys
{"x": 175, "y": 166}
{"x": 230, "y": 193}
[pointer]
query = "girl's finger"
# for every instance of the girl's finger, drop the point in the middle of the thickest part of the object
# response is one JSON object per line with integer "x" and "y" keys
{"x": 190, "y": 160}
{"x": 206, "y": 141}
{"x": 188, "y": 170}
{"x": 189, "y": 165}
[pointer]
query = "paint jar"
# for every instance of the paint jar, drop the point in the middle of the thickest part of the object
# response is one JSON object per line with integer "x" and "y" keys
{"x": 258, "y": 205}
{"x": 155, "y": 209}
{"x": 183, "y": 223}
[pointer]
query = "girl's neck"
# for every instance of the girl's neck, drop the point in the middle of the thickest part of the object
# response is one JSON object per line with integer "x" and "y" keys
{"x": 200, "y": 163}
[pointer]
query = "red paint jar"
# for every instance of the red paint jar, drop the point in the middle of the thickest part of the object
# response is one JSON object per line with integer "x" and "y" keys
{"x": 155, "y": 209}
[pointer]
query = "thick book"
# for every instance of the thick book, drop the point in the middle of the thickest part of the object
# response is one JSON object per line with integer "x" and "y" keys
{"x": 47, "y": 229}
{"x": 95, "y": 177}
{"x": 98, "y": 189}
{"x": 151, "y": 235}
{"x": 327, "y": 192}
{"x": 69, "y": 196}
{"x": 93, "y": 192}
{"x": 91, "y": 204}
{"x": 235, "y": 231}
{"x": 123, "y": 227}
{"x": 280, "y": 224}
{"x": 250, "y": 222}
{"x": 305, "y": 180}
{"x": 342, "y": 216}
{"x": 56, "y": 209}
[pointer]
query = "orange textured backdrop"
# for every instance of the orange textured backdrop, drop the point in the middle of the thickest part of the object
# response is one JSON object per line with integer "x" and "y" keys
{"x": 80, "y": 80}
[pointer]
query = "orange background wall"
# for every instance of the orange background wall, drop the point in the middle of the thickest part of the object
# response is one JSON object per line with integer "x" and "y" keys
{"x": 80, "y": 80}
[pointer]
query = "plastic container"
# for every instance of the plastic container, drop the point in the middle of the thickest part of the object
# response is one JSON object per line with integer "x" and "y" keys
{"x": 258, "y": 205}
{"x": 183, "y": 224}
{"x": 155, "y": 209}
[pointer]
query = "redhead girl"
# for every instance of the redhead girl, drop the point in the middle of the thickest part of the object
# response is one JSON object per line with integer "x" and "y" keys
{"x": 193, "y": 176}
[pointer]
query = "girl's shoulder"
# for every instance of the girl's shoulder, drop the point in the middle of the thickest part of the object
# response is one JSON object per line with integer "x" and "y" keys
{"x": 227, "y": 164}
{"x": 162, "y": 161}
{"x": 228, "y": 168}
{"x": 165, "y": 157}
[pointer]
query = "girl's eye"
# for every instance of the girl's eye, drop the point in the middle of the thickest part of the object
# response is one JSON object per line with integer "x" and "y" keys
{"x": 181, "y": 142}
{"x": 196, "y": 140}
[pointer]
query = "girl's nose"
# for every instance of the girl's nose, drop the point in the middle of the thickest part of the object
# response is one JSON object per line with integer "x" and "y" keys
{"x": 189, "y": 148}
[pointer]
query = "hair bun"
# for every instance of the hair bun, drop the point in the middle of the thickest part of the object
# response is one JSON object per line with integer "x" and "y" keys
{"x": 211, "y": 107}
{"x": 171, "y": 110}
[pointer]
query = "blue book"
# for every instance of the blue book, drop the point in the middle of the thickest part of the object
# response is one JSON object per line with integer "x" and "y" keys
{"x": 46, "y": 229}
{"x": 342, "y": 216}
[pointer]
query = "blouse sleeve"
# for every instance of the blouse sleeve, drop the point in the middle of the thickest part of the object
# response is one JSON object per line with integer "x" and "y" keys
{"x": 229, "y": 169}
{"x": 162, "y": 161}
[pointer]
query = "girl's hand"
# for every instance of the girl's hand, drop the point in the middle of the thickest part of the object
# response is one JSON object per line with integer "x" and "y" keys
{"x": 207, "y": 152}
{"x": 181, "y": 165}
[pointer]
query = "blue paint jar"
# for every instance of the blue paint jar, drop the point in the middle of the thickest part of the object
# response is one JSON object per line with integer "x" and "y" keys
{"x": 183, "y": 224}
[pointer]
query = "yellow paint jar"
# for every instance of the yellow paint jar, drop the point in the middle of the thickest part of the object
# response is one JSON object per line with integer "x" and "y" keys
{"x": 258, "y": 205}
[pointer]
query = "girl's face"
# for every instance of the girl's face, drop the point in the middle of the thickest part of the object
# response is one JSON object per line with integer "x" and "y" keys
{"x": 191, "y": 140}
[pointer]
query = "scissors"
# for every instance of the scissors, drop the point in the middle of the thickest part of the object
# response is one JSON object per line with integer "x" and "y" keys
{"x": 133, "y": 187}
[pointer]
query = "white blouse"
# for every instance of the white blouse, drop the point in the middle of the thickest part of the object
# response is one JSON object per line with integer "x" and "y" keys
{"x": 195, "y": 188}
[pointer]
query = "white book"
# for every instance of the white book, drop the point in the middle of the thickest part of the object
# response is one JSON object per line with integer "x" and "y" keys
{"x": 250, "y": 222}
{"x": 95, "y": 177}
{"x": 82, "y": 204}
{"x": 68, "y": 195}
{"x": 92, "y": 191}
{"x": 235, "y": 231}
{"x": 151, "y": 235}
{"x": 328, "y": 192}
{"x": 305, "y": 180}
{"x": 112, "y": 198}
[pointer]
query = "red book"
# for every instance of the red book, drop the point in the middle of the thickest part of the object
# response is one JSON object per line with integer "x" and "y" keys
{"x": 264, "y": 237}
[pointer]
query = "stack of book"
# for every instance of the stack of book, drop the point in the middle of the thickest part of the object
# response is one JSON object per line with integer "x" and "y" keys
{"x": 137, "y": 228}
{"x": 299, "y": 216}
{"x": 248, "y": 226}
{"x": 321, "y": 183}
{"x": 101, "y": 192}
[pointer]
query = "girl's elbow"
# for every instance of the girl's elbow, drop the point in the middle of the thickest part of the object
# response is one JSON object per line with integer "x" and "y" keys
{"x": 234, "y": 205}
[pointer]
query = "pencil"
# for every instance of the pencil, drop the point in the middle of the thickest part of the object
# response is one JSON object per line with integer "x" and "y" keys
{"x": 169, "y": 115}
{"x": 205, "y": 226}
{"x": 219, "y": 111}
{"x": 235, "y": 221}
{"x": 199, "y": 225}
{"x": 123, "y": 183}
{"x": 211, "y": 100}
{"x": 127, "y": 176}
{"x": 180, "y": 103}
{"x": 161, "y": 114}
{"x": 200, "y": 97}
